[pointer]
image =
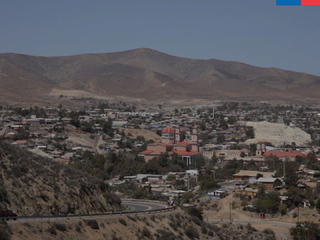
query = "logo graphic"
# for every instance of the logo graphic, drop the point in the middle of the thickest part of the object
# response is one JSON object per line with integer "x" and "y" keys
{"x": 298, "y": 2}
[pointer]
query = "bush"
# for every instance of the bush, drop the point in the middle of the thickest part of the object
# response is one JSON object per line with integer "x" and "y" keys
{"x": 164, "y": 235}
{"x": 52, "y": 230}
{"x": 92, "y": 223}
{"x": 195, "y": 212}
{"x": 5, "y": 231}
{"x": 60, "y": 226}
{"x": 250, "y": 228}
{"x": 123, "y": 222}
{"x": 283, "y": 209}
{"x": 146, "y": 233}
{"x": 305, "y": 230}
{"x": 192, "y": 232}
{"x": 204, "y": 229}
{"x": 269, "y": 231}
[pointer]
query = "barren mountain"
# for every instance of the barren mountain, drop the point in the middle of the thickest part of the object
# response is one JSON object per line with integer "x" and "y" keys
{"x": 147, "y": 74}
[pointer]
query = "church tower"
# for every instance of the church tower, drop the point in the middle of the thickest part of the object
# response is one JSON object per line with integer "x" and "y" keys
{"x": 194, "y": 134}
{"x": 168, "y": 135}
{"x": 177, "y": 134}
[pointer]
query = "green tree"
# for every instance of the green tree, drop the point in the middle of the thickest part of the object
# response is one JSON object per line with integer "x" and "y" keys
{"x": 306, "y": 230}
{"x": 187, "y": 196}
{"x": 208, "y": 182}
{"x": 220, "y": 138}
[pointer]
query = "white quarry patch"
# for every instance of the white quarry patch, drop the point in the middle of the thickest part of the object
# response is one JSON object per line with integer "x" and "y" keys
{"x": 277, "y": 134}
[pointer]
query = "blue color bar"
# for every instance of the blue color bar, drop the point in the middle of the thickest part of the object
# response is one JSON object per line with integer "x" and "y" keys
{"x": 289, "y": 2}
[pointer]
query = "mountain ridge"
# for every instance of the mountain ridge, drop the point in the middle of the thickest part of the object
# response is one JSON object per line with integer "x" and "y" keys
{"x": 148, "y": 74}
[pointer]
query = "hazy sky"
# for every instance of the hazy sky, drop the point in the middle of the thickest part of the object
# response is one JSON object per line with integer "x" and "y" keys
{"x": 256, "y": 32}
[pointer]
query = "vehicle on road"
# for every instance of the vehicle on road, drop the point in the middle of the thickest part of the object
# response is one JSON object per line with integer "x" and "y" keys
{"x": 8, "y": 214}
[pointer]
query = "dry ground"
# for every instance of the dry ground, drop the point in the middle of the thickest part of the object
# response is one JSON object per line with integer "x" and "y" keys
{"x": 282, "y": 232}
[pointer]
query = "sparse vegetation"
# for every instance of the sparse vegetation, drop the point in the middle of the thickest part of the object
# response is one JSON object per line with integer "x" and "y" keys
{"x": 92, "y": 223}
{"x": 122, "y": 221}
{"x": 52, "y": 183}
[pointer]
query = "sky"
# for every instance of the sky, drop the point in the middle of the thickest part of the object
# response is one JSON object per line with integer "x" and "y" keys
{"x": 255, "y": 32}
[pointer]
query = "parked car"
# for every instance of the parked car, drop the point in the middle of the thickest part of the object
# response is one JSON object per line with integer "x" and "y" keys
{"x": 8, "y": 214}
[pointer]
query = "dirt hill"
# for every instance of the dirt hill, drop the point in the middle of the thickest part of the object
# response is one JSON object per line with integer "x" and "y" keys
{"x": 146, "y": 74}
{"x": 278, "y": 134}
{"x": 162, "y": 226}
{"x": 34, "y": 185}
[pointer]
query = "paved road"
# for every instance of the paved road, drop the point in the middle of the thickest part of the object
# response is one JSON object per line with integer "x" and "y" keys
{"x": 133, "y": 206}
{"x": 143, "y": 206}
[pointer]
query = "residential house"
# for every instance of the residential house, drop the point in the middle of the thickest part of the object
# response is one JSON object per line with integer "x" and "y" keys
{"x": 270, "y": 183}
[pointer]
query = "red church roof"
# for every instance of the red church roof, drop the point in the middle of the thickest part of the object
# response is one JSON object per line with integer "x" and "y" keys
{"x": 168, "y": 130}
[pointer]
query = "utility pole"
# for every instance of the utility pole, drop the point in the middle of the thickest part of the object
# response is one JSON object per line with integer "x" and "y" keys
{"x": 188, "y": 183}
{"x": 230, "y": 211}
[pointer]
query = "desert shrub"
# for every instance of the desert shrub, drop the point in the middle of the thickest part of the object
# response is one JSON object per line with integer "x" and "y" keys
{"x": 270, "y": 232}
{"x": 146, "y": 233}
{"x": 224, "y": 225}
{"x": 294, "y": 214}
{"x": 44, "y": 197}
{"x": 92, "y": 223}
{"x": 164, "y": 235}
{"x": 60, "y": 226}
{"x": 52, "y": 230}
{"x": 173, "y": 224}
{"x": 3, "y": 195}
{"x": 78, "y": 228}
{"x": 283, "y": 209}
{"x": 192, "y": 232}
{"x": 5, "y": 231}
{"x": 123, "y": 222}
{"x": 204, "y": 229}
{"x": 195, "y": 212}
{"x": 196, "y": 220}
{"x": 251, "y": 228}
{"x": 305, "y": 230}
{"x": 132, "y": 218}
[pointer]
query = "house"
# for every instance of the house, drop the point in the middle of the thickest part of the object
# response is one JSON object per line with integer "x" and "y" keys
{"x": 220, "y": 193}
{"x": 170, "y": 144}
{"x": 21, "y": 143}
{"x": 284, "y": 155}
{"x": 247, "y": 174}
{"x": 247, "y": 193}
{"x": 120, "y": 124}
{"x": 269, "y": 183}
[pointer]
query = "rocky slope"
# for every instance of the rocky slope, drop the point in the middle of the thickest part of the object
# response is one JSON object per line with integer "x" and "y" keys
{"x": 163, "y": 226}
{"x": 34, "y": 185}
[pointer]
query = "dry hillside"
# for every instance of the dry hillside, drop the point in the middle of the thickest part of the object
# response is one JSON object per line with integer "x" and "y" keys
{"x": 146, "y": 74}
{"x": 163, "y": 226}
{"x": 34, "y": 185}
{"x": 278, "y": 134}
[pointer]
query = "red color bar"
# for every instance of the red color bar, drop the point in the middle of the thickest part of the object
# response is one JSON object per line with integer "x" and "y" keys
{"x": 310, "y": 2}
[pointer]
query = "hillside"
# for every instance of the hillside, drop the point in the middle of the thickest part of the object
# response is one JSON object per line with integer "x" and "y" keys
{"x": 147, "y": 75}
{"x": 163, "y": 226}
{"x": 33, "y": 185}
{"x": 278, "y": 134}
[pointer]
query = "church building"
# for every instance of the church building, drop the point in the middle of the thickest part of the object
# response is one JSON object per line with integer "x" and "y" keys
{"x": 171, "y": 142}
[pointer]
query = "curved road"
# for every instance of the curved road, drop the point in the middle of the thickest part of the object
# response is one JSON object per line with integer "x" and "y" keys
{"x": 142, "y": 206}
{"x": 133, "y": 206}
